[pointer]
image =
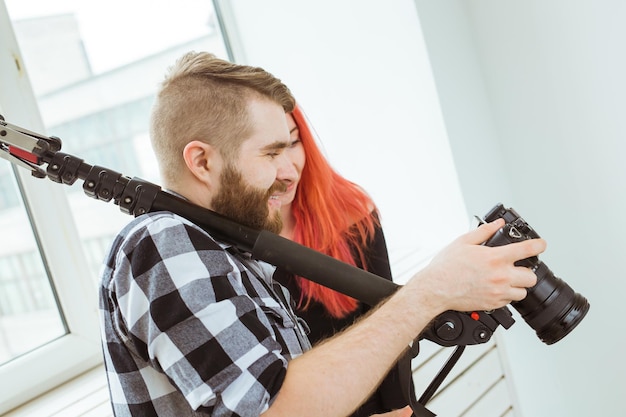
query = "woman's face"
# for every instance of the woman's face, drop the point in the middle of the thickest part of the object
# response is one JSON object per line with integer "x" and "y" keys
{"x": 292, "y": 172}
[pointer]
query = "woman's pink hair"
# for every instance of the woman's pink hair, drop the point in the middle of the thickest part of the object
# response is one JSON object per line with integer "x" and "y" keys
{"x": 332, "y": 216}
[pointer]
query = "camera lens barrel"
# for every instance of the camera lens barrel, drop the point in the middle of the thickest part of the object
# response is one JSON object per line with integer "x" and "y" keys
{"x": 552, "y": 308}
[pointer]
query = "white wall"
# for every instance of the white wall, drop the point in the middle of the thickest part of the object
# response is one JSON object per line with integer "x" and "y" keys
{"x": 540, "y": 86}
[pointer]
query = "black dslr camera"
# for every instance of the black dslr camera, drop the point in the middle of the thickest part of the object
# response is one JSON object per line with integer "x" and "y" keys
{"x": 552, "y": 308}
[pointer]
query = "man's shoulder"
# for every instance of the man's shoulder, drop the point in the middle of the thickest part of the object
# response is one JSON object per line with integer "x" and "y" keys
{"x": 164, "y": 233}
{"x": 164, "y": 244}
{"x": 164, "y": 223}
{"x": 162, "y": 219}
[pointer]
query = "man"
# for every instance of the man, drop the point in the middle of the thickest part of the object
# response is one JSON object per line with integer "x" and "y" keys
{"x": 192, "y": 325}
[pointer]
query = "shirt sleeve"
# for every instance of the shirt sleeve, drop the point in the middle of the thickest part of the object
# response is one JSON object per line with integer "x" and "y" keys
{"x": 188, "y": 311}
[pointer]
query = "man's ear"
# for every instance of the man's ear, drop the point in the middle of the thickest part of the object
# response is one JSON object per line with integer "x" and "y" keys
{"x": 202, "y": 160}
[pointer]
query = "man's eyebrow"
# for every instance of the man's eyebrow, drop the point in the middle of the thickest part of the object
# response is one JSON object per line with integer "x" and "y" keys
{"x": 275, "y": 146}
{"x": 293, "y": 129}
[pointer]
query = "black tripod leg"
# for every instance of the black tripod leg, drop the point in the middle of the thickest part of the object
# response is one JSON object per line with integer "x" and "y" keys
{"x": 434, "y": 385}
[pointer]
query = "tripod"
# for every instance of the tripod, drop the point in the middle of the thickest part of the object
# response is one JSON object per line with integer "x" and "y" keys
{"x": 135, "y": 196}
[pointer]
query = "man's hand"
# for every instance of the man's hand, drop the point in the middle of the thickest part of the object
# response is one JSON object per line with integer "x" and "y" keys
{"x": 402, "y": 412}
{"x": 467, "y": 275}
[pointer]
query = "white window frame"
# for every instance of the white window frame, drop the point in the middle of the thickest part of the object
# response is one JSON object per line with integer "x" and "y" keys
{"x": 44, "y": 368}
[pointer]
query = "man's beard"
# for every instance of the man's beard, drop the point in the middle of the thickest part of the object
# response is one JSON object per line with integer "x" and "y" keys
{"x": 245, "y": 204}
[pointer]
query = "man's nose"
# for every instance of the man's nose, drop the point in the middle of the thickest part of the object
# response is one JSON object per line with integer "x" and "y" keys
{"x": 286, "y": 169}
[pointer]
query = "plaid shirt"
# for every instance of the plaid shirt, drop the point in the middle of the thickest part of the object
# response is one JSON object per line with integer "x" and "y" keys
{"x": 191, "y": 326}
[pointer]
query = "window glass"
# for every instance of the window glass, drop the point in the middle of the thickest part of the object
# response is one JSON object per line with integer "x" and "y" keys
{"x": 94, "y": 68}
{"x": 29, "y": 315}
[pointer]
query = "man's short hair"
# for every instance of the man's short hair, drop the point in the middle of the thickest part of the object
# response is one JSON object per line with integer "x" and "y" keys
{"x": 205, "y": 98}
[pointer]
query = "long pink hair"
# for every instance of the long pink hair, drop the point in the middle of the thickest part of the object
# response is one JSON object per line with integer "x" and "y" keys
{"x": 332, "y": 216}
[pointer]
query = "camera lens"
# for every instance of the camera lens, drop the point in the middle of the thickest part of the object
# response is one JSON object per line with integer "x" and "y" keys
{"x": 551, "y": 308}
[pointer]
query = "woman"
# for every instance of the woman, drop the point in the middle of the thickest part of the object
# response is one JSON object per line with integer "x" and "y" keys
{"x": 326, "y": 212}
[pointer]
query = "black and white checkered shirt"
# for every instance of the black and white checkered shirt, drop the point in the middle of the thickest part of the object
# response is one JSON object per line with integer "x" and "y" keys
{"x": 190, "y": 326}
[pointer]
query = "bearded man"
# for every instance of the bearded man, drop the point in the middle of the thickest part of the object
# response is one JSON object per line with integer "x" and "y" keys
{"x": 193, "y": 326}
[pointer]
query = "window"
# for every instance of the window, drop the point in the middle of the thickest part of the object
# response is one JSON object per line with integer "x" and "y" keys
{"x": 85, "y": 72}
{"x": 29, "y": 313}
